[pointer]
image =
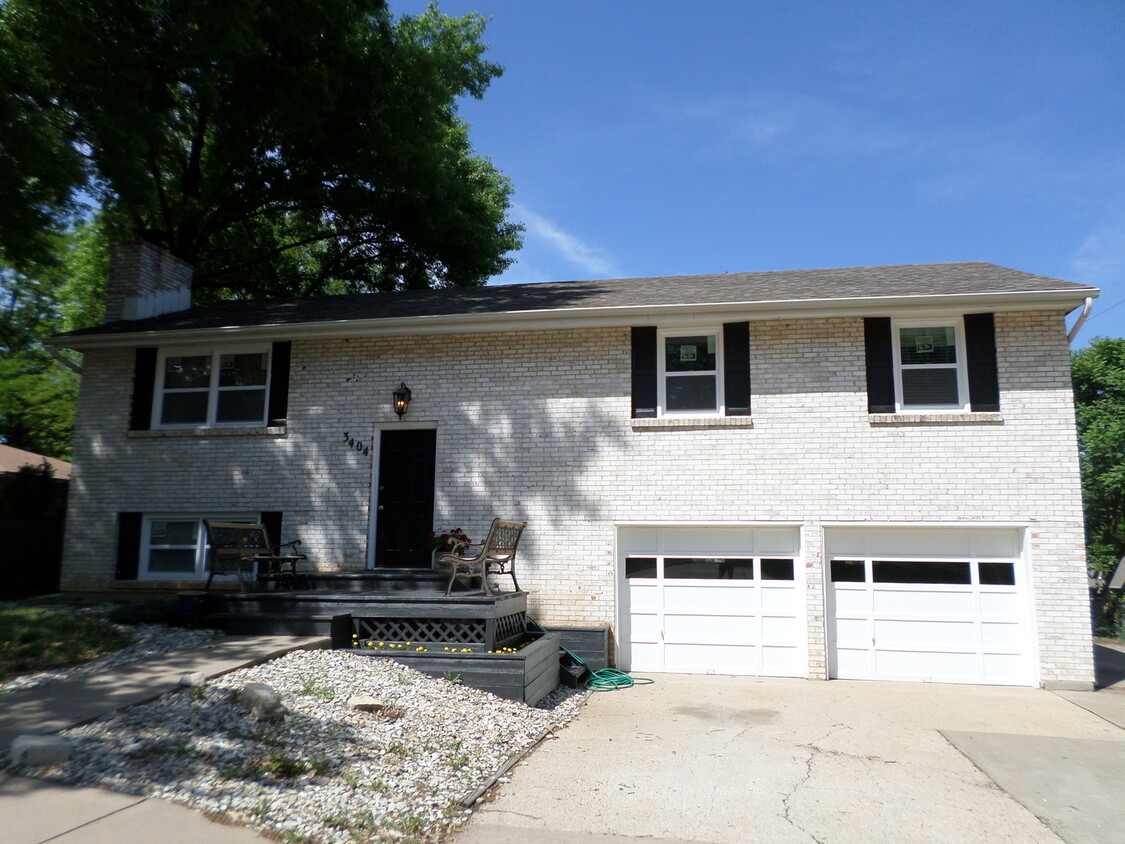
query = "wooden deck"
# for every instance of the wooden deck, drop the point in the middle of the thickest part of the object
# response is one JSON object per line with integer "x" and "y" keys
{"x": 410, "y": 605}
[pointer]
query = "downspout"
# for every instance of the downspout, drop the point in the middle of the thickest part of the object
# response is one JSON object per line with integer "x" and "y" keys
{"x": 1081, "y": 319}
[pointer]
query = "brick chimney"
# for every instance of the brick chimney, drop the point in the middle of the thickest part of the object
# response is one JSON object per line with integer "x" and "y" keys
{"x": 145, "y": 281}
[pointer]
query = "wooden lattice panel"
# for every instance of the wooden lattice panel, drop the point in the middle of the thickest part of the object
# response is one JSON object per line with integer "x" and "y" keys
{"x": 444, "y": 630}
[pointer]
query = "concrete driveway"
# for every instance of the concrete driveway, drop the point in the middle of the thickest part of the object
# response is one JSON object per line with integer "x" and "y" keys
{"x": 735, "y": 759}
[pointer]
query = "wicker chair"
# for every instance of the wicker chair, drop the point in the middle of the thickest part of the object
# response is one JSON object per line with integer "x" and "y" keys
{"x": 496, "y": 555}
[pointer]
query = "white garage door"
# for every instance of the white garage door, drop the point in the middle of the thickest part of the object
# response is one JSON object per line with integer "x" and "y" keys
{"x": 717, "y": 600}
{"x": 940, "y": 606}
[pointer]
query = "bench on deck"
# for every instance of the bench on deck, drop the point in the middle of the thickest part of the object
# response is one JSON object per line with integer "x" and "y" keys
{"x": 236, "y": 547}
{"x": 495, "y": 556}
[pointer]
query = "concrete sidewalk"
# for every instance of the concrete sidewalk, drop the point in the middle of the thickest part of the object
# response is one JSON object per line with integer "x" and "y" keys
{"x": 32, "y": 812}
{"x": 729, "y": 760}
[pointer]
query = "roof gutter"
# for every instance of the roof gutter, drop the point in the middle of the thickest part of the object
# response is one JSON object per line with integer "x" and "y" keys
{"x": 565, "y": 318}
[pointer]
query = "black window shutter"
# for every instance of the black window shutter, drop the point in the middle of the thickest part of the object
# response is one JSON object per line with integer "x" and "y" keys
{"x": 144, "y": 382}
{"x": 644, "y": 372}
{"x": 128, "y": 545}
{"x": 736, "y": 368}
{"x": 279, "y": 383}
{"x": 980, "y": 347}
{"x": 271, "y": 520}
{"x": 879, "y": 356}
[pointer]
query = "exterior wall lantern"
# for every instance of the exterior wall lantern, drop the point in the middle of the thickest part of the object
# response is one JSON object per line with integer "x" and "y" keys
{"x": 401, "y": 399}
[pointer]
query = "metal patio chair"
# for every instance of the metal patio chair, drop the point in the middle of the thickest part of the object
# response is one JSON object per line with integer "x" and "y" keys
{"x": 496, "y": 555}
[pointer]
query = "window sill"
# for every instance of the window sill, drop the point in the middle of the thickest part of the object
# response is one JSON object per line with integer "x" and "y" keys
{"x": 693, "y": 422}
{"x": 248, "y": 431}
{"x": 935, "y": 418}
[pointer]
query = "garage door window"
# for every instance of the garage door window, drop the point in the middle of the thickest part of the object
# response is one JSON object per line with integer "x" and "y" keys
{"x": 937, "y": 572}
{"x": 997, "y": 574}
{"x": 708, "y": 568}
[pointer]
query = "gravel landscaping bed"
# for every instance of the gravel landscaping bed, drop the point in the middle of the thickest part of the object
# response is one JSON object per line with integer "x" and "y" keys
{"x": 327, "y": 772}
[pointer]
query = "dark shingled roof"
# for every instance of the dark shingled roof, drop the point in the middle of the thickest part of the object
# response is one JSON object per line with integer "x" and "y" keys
{"x": 742, "y": 288}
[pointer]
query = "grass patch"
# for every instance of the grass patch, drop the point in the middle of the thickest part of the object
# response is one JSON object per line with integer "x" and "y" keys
{"x": 38, "y": 639}
{"x": 310, "y": 687}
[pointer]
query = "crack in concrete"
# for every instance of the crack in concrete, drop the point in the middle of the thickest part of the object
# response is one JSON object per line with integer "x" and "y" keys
{"x": 814, "y": 750}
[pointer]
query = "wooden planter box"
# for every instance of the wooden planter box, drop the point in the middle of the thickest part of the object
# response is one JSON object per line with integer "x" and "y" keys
{"x": 528, "y": 675}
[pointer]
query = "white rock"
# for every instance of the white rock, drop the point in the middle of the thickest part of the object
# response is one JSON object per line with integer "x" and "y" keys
{"x": 40, "y": 750}
{"x": 365, "y": 703}
{"x": 262, "y": 700}
{"x": 193, "y": 680}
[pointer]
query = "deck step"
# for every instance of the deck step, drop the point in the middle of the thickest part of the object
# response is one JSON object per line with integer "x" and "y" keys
{"x": 271, "y": 625}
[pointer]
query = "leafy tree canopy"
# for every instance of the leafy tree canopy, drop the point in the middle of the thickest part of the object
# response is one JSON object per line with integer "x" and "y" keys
{"x": 282, "y": 147}
{"x": 1099, "y": 392}
{"x": 37, "y": 390}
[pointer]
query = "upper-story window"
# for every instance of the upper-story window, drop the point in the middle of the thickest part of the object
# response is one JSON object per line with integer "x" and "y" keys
{"x": 690, "y": 372}
{"x": 212, "y": 388}
{"x": 690, "y": 375}
{"x": 931, "y": 364}
{"x": 930, "y": 370}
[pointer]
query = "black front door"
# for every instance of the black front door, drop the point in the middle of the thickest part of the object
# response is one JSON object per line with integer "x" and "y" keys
{"x": 405, "y": 499}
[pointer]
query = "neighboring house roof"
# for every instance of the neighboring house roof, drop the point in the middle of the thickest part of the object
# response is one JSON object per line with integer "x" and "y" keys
{"x": 740, "y": 295}
{"x": 12, "y": 458}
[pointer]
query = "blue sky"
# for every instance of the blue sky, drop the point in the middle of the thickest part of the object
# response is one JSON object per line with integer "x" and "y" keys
{"x": 667, "y": 138}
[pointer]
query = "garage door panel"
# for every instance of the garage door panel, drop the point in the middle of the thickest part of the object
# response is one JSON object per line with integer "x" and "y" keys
{"x": 1005, "y": 668}
{"x": 702, "y": 629}
{"x": 925, "y": 665}
{"x": 923, "y": 603}
{"x": 952, "y": 635}
{"x": 779, "y": 600}
{"x": 645, "y": 627}
{"x": 784, "y": 661}
{"x": 710, "y": 599}
{"x": 643, "y": 597}
{"x": 1000, "y": 604}
{"x": 779, "y": 629}
{"x": 856, "y": 663}
{"x": 853, "y": 632}
{"x": 646, "y": 656}
{"x": 999, "y": 636}
{"x": 733, "y": 659}
{"x": 852, "y": 601}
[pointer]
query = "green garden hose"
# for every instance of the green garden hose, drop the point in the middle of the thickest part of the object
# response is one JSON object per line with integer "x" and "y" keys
{"x": 602, "y": 680}
{"x": 610, "y": 680}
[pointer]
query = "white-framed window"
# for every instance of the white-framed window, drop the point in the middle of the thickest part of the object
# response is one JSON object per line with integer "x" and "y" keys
{"x": 929, "y": 358}
{"x": 211, "y": 388}
{"x": 174, "y": 547}
{"x": 690, "y": 372}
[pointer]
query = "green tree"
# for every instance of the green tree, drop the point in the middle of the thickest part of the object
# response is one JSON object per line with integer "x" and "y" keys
{"x": 1099, "y": 392}
{"x": 282, "y": 147}
{"x": 38, "y": 391}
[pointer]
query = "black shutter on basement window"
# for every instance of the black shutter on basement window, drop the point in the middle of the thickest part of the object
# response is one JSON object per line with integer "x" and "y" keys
{"x": 271, "y": 520}
{"x": 279, "y": 383}
{"x": 644, "y": 372}
{"x": 128, "y": 545}
{"x": 980, "y": 348}
{"x": 144, "y": 383}
{"x": 879, "y": 357}
{"x": 736, "y": 368}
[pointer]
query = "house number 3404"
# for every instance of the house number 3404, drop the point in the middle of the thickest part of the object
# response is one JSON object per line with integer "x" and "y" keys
{"x": 362, "y": 448}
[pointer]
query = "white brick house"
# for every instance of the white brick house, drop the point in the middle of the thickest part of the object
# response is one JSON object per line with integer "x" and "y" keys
{"x": 861, "y": 473}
